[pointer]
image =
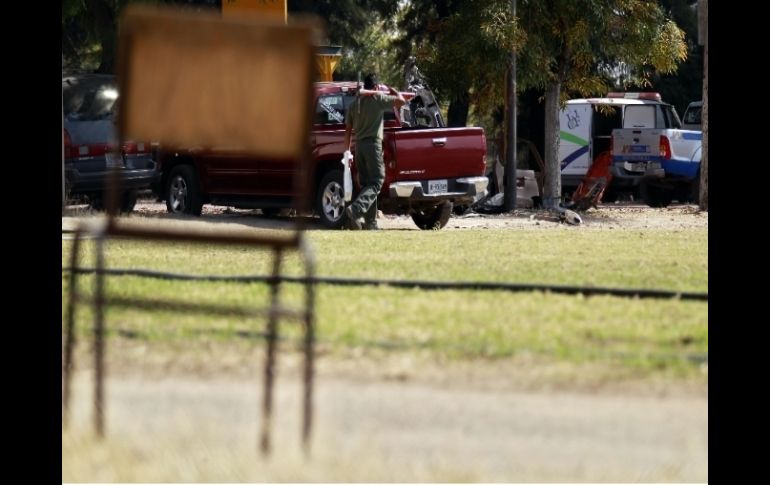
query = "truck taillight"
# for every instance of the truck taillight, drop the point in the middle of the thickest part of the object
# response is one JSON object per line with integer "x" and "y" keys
{"x": 135, "y": 147}
{"x": 665, "y": 147}
{"x": 484, "y": 153}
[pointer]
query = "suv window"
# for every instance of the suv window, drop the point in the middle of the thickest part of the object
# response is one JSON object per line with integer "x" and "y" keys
{"x": 89, "y": 99}
{"x": 692, "y": 115}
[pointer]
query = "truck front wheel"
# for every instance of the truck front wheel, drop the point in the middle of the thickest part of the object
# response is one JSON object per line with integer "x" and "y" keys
{"x": 183, "y": 194}
{"x": 330, "y": 199}
{"x": 433, "y": 217}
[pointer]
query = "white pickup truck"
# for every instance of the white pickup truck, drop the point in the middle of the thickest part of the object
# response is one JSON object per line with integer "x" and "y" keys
{"x": 652, "y": 150}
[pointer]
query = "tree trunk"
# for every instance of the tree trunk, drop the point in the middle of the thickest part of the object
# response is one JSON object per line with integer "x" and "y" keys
{"x": 703, "y": 196}
{"x": 457, "y": 115}
{"x": 552, "y": 181}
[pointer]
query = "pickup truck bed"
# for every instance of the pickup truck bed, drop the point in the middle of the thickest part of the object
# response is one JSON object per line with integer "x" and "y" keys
{"x": 427, "y": 169}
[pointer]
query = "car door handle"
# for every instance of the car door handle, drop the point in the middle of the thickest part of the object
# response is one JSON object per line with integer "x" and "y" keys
{"x": 439, "y": 141}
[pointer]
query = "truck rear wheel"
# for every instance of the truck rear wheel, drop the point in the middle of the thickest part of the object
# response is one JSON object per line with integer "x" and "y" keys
{"x": 433, "y": 218}
{"x": 695, "y": 189}
{"x": 127, "y": 201}
{"x": 330, "y": 200}
{"x": 654, "y": 195}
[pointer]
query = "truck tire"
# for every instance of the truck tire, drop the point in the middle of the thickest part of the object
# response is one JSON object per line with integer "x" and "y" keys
{"x": 654, "y": 195}
{"x": 609, "y": 196}
{"x": 330, "y": 200}
{"x": 433, "y": 218}
{"x": 271, "y": 212}
{"x": 695, "y": 190}
{"x": 127, "y": 201}
{"x": 183, "y": 193}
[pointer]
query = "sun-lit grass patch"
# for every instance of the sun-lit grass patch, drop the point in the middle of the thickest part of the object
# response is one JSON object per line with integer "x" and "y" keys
{"x": 650, "y": 335}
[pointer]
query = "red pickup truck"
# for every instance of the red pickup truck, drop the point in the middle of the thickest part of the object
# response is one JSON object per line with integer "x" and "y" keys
{"x": 428, "y": 168}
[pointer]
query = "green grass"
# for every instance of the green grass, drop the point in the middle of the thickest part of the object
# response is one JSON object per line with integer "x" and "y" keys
{"x": 647, "y": 336}
{"x": 671, "y": 260}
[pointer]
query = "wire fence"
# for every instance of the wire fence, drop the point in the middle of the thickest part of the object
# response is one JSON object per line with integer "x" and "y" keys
{"x": 420, "y": 284}
{"x": 696, "y": 358}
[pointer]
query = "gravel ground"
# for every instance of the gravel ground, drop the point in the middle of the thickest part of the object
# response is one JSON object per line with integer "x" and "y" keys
{"x": 605, "y": 217}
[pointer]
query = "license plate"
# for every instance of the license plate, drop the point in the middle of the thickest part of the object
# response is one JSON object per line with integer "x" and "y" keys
{"x": 635, "y": 167}
{"x": 114, "y": 160}
{"x": 437, "y": 186}
{"x": 638, "y": 149}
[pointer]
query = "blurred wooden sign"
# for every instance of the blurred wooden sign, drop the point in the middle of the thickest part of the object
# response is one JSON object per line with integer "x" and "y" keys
{"x": 265, "y": 8}
{"x": 191, "y": 79}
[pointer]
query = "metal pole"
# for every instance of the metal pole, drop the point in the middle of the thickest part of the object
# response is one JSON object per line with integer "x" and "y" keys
{"x": 510, "y": 135}
{"x": 703, "y": 193}
{"x": 272, "y": 337}
{"x": 69, "y": 343}
{"x": 99, "y": 344}
{"x": 63, "y": 197}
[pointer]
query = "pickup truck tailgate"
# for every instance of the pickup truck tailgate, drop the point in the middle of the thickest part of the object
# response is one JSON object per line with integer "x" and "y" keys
{"x": 636, "y": 145}
{"x": 676, "y": 152}
{"x": 436, "y": 153}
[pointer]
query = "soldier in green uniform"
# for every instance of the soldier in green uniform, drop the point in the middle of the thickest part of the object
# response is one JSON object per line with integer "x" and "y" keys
{"x": 364, "y": 119}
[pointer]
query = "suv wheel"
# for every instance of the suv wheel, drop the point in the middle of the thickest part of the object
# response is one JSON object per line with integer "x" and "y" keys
{"x": 183, "y": 193}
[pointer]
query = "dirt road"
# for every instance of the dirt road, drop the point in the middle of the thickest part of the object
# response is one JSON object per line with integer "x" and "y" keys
{"x": 454, "y": 424}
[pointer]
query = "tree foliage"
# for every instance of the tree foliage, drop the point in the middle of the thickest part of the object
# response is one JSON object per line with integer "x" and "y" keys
{"x": 88, "y": 33}
{"x": 583, "y": 43}
{"x": 346, "y": 20}
{"x": 375, "y": 54}
{"x": 89, "y": 30}
{"x": 89, "y": 27}
{"x": 686, "y": 84}
{"x": 578, "y": 46}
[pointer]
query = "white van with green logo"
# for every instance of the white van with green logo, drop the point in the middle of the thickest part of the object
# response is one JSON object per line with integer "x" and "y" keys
{"x": 586, "y": 131}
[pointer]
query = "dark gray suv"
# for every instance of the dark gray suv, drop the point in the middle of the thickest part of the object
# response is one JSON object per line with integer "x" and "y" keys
{"x": 91, "y": 147}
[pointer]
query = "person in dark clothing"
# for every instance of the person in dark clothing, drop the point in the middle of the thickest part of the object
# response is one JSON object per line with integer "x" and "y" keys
{"x": 364, "y": 120}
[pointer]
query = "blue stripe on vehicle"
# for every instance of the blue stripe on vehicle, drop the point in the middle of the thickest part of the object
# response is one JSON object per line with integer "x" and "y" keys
{"x": 636, "y": 158}
{"x": 679, "y": 167}
{"x": 695, "y": 135}
{"x": 572, "y": 156}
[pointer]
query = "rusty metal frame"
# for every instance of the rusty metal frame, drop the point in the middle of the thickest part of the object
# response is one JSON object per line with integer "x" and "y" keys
{"x": 111, "y": 227}
{"x": 136, "y": 23}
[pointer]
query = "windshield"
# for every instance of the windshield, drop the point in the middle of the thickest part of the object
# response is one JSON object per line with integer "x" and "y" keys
{"x": 692, "y": 115}
{"x": 89, "y": 99}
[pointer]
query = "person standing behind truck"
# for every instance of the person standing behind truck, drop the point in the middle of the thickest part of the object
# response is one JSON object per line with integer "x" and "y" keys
{"x": 365, "y": 119}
